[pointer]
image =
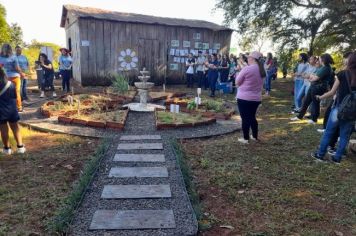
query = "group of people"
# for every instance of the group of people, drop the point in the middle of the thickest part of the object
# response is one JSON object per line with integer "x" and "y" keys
{"x": 207, "y": 70}
{"x": 314, "y": 81}
{"x": 14, "y": 71}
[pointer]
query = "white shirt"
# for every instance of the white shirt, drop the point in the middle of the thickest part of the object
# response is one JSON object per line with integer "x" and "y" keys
{"x": 200, "y": 61}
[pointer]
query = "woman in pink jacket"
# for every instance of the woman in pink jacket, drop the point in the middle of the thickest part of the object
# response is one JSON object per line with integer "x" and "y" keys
{"x": 249, "y": 95}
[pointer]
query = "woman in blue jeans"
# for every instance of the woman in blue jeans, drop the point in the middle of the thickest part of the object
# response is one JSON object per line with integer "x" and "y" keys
{"x": 344, "y": 83}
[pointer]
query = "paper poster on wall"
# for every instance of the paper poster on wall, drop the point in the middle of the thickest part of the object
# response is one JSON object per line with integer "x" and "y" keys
{"x": 177, "y": 53}
{"x": 182, "y": 60}
{"x": 196, "y": 52}
{"x": 186, "y": 52}
{"x": 182, "y": 52}
{"x": 175, "y": 43}
{"x": 198, "y": 45}
{"x": 215, "y": 51}
{"x": 205, "y": 45}
{"x": 210, "y": 51}
{"x": 196, "y": 36}
{"x": 173, "y": 66}
{"x": 85, "y": 43}
{"x": 216, "y": 46}
{"x": 186, "y": 44}
{"x": 172, "y": 52}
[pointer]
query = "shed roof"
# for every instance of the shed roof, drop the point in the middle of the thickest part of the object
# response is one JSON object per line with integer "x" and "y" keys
{"x": 88, "y": 12}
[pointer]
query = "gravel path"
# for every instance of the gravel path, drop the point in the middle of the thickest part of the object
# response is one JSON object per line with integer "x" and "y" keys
{"x": 186, "y": 224}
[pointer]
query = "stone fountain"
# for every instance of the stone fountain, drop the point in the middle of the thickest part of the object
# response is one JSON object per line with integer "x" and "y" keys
{"x": 143, "y": 88}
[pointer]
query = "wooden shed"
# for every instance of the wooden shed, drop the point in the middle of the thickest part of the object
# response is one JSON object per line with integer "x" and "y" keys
{"x": 106, "y": 42}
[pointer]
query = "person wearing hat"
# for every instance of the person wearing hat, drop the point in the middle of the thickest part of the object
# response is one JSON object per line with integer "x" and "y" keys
{"x": 65, "y": 62}
{"x": 249, "y": 95}
{"x": 24, "y": 66}
{"x": 9, "y": 115}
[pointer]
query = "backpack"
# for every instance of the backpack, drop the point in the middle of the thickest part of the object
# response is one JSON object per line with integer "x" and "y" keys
{"x": 347, "y": 108}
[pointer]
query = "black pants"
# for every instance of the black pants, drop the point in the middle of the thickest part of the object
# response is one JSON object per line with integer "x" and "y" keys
{"x": 248, "y": 111}
{"x": 190, "y": 80}
{"x": 65, "y": 80}
{"x": 310, "y": 99}
{"x": 201, "y": 79}
{"x": 212, "y": 82}
{"x": 206, "y": 80}
{"x": 47, "y": 82}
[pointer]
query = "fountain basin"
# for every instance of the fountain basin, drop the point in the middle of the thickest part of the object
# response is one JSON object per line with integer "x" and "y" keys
{"x": 149, "y": 107}
{"x": 142, "y": 85}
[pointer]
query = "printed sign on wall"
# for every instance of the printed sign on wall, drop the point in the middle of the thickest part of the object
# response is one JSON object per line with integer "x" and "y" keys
{"x": 205, "y": 46}
{"x": 216, "y": 46}
{"x": 186, "y": 44}
{"x": 173, "y": 66}
{"x": 175, "y": 43}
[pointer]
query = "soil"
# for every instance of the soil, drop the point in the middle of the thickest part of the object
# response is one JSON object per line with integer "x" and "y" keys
{"x": 33, "y": 185}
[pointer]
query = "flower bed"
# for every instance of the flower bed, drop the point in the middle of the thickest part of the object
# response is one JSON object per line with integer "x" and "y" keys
{"x": 209, "y": 108}
{"x": 85, "y": 103}
{"x": 111, "y": 120}
{"x": 167, "y": 120}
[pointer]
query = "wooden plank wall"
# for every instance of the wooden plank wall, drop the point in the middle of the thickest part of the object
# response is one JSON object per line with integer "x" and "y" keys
{"x": 151, "y": 42}
{"x": 72, "y": 32}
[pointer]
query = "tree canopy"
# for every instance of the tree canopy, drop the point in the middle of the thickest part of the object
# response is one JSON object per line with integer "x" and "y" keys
{"x": 291, "y": 23}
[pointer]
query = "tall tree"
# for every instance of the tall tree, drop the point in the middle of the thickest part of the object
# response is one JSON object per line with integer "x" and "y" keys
{"x": 4, "y": 27}
{"x": 16, "y": 34}
{"x": 295, "y": 22}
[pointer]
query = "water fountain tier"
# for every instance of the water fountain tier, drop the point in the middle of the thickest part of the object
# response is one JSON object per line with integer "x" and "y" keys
{"x": 143, "y": 88}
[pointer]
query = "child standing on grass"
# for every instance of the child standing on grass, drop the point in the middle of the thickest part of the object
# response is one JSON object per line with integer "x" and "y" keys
{"x": 9, "y": 115}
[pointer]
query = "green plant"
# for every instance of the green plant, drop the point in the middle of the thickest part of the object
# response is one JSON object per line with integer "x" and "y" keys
{"x": 215, "y": 106}
{"x": 191, "y": 105}
{"x": 120, "y": 83}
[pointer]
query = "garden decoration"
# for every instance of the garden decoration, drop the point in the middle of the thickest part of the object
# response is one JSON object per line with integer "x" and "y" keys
{"x": 143, "y": 88}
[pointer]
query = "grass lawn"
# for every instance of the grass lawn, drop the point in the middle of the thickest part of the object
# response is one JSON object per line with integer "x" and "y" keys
{"x": 272, "y": 187}
{"x": 33, "y": 185}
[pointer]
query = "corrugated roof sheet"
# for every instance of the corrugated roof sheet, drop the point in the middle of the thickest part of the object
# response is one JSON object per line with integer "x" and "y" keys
{"x": 88, "y": 12}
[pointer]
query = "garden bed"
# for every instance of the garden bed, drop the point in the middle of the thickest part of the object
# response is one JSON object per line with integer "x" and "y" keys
{"x": 209, "y": 108}
{"x": 84, "y": 103}
{"x": 168, "y": 120}
{"x": 110, "y": 120}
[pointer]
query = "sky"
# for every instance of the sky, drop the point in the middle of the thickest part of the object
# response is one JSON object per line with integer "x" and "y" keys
{"x": 40, "y": 19}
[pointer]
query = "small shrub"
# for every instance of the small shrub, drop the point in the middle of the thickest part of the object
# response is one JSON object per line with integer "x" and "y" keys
{"x": 120, "y": 83}
{"x": 215, "y": 106}
{"x": 191, "y": 105}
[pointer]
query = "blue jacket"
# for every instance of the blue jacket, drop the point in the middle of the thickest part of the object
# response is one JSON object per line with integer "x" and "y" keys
{"x": 8, "y": 107}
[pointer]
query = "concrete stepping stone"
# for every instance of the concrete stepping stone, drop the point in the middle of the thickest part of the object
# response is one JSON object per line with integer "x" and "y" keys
{"x": 139, "y": 172}
{"x": 139, "y": 157}
{"x": 132, "y": 219}
{"x": 136, "y": 191}
{"x": 140, "y": 137}
{"x": 140, "y": 146}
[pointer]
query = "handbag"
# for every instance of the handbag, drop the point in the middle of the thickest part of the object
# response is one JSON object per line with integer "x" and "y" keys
{"x": 347, "y": 108}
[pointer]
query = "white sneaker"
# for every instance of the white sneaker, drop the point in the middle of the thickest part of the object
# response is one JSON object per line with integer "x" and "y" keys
{"x": 294, "y": 119}
{"x": 242, "y": 140}
{"x": 21, "y": 150}
{"x": 321, "y": 130}
{"x": 7, "y": 151}
{"x": 54, "y": 95}
{"x": 252, "y": 138}
{"x": 311, "y": 122}
{"x": 42, "y": 94}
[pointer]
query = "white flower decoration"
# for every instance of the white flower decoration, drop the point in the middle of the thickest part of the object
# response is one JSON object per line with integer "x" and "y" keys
{"x": 128, "y": 59}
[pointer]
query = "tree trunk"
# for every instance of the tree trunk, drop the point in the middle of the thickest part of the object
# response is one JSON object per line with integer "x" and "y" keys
{"x": 311, "y": 46}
